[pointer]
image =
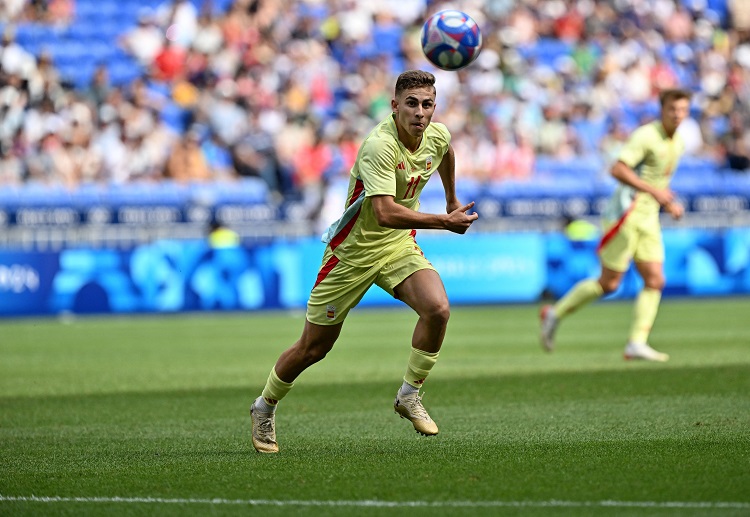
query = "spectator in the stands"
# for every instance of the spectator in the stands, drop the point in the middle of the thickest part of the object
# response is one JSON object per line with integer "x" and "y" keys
{"x": 144, "y": 41}
{"x": 99, "y": 86}
{"x": 740, "y": 17}
{"x": 13, "y": 58}
{"x": 266, "y": 68}
{"x": 208, "y": 36}
{"x": 179, "y": 20}
{"x": 36, "y": 10}
{"x": 311, "y": 164}
{"x": 11, "y": 10}
{"x": 553, "y": 137}
{"x": 42, "y": 168}
{"x": 13, "y": 103}
{"x": 186, "y": 162}
{"x": 12, "y": 170}
{"x": 255, "y": 155}
{"x": 218, "y": 158}
{"x": 613, "y": 141}
{"x": 170, "y": 63}
{"x": 61, "y": 12}
{"x": 737, "y": 143}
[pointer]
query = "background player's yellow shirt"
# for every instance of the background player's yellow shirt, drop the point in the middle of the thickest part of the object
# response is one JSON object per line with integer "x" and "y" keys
{"x": 384, "y": 167}
{"x": 653, "y": 156}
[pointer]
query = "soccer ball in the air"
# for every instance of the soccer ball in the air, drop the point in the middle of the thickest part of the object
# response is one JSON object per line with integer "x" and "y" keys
{"x": 451, "y": 39}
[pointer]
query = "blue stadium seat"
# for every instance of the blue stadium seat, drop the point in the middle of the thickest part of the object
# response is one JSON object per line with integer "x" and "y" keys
{"x": 388, "y": 38}
{"x": 123, "y": 71}
{"x": 170, "y": 192}
{"x": 175, "y": 117}
{"x": 77, "y": 73}
{"x": 546, "y": 51}
{"x": 701, "y": 181}
{"x": 581, "y": 167}
{"x": 67, "y": 52}
{"x": 247, "y": 190}
{"x": 735, "y": 182}
{"x": 10, "y": 196}
{"x": 696, "y": 166}
{"x": 35, "y": 194}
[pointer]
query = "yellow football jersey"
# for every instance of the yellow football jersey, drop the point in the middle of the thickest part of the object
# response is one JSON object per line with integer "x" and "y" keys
{"x": 384, "y": 167}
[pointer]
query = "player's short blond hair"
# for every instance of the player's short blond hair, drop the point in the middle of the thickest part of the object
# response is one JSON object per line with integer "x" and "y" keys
{"x": 673, "y": 94}
{"x": 414, "y": 79}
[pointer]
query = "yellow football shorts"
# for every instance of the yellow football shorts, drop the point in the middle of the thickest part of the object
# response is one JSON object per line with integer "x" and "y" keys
{"x": 339, "y": 286}
{"x": 635, "y": 238}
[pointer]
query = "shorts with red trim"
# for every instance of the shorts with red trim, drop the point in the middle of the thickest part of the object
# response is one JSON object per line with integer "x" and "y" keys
{"x": 631, "y": 237}
{"x": 340, "y": 286}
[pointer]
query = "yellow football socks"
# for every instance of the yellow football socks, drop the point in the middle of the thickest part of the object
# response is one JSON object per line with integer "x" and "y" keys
{"x": 582, "y": 293}
{"x": 644, "y": 314}
{"x": 275, "y": 389}
{"x": 420, "y": 364}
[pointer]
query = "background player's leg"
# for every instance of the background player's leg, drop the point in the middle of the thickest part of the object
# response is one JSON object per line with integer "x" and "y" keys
{"x": 644, "y": 313}
{"x": 586, "y": 291}
{"x": 581, "y": 294}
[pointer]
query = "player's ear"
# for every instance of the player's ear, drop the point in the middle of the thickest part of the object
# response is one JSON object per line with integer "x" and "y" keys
{"x": 394, "y": 105}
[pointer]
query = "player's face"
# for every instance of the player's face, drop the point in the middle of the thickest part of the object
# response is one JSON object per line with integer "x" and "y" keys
{"x": 414, "y": 109}
{"x": 673, "y": 113}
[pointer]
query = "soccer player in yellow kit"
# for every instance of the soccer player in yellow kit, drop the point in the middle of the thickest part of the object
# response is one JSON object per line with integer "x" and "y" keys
{"x": 374, "y": 243}
{"x": 632, "y": 230}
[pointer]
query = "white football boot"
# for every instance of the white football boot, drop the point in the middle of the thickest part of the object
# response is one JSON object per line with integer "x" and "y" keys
{"x": 547, "y": 327}
{"x": 264, "y": 431}
{"x": 410, "y": 407}
{"x": 645, "y": 352}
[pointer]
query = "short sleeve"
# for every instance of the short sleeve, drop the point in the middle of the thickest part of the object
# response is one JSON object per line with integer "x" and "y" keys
{"x": 377, "y": 166}
{"x": 442, "y": 136}
{"x": 634, "y": 150}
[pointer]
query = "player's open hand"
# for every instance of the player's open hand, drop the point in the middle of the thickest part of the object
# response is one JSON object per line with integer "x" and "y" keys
{"x": 459, "y": 220}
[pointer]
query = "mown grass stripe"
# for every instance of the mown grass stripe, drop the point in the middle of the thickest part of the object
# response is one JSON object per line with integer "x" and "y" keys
{"x": 382, "y": 504}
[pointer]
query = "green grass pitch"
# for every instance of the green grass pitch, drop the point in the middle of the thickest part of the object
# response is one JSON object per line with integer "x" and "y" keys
{"x": 149, "y": 416}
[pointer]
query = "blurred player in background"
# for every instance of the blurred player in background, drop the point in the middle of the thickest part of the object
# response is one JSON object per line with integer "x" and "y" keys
{"x": 374, "y": 243}
{"x": 632, "y": 230}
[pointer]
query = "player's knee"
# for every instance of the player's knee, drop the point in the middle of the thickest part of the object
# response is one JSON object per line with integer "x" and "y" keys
{"x": 609, "y": 285}
{"x": 438, "y": 313}
{"x": 655, "y": 282}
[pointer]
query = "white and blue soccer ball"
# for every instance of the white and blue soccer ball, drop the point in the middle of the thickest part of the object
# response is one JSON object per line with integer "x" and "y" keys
{"x": 451, "y": 39}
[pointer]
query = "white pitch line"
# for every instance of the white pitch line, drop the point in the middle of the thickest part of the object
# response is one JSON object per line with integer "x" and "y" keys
{"x": 381, "y": 504}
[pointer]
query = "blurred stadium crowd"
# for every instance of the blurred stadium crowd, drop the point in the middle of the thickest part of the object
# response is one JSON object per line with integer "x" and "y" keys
{"x": 122, "y": 91}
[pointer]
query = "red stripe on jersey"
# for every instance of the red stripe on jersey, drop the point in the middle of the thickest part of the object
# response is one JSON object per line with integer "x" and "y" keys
{"x": 358, "y": 187}
{"x": 325, "y": 270}
{"x": 613, "y": 231}
{"x": 339, "y": 238}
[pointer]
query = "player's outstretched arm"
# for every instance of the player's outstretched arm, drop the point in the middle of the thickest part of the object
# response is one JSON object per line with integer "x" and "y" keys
{"x": 390, "y": 214}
